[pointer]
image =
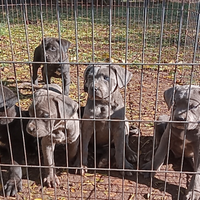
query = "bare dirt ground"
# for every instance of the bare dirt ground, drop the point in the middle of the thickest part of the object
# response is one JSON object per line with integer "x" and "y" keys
{"x": 105, "y": 184}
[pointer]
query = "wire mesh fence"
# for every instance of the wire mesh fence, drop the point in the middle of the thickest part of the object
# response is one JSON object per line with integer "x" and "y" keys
{"x": 130, "y": 62}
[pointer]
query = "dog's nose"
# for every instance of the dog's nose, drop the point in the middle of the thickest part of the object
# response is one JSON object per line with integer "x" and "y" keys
{"x": 47, "y": 57}
{"x": 30, "y": 128}
{"x": 95, "y": 88}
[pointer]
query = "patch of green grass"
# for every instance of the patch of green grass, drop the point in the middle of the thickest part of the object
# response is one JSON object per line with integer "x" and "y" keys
{"x": 93, "y": 39}
{"x": 100, "y": 29}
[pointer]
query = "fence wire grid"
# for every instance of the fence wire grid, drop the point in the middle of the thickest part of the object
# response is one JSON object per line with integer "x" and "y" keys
{"x": 130, "y": 61}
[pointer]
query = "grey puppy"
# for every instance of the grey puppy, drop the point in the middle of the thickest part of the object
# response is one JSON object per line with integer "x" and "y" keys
{"x": 56, "y": 123}
{"x": 105, "y": 101}
{"x": 12, "y": 135}
{"x": 55, "y": 51}
{"x": 182, "y": 103}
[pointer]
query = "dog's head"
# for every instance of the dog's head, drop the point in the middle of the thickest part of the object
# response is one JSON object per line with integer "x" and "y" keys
{"x": 102, "y": 80}
{"x": 185, "y": 107}
{"x": 55, "y": 49}
{"x": 49, "y": 109}
{"x": 7, "y": 105}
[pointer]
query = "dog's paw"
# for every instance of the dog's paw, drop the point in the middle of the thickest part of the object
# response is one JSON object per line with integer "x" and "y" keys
{"x": 146, "y": 166}
{"x": 132, "y": 158}
{"x": 103, "y": 163}
{"x": 12, "y": 187}
{"x": 148, "y": 155}
{"x": 51, "y": 181}
{"x": 81, "y": 171}
{"x": 128, "y": 165}
{"x": 193, "y": 195}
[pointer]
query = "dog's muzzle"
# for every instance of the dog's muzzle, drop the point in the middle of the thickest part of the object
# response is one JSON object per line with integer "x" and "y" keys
{"x": 184, "y": 123}
{"x": 95, "y": 93}
{"x": 31, "y": 128}
{"x": 10, "y": 112}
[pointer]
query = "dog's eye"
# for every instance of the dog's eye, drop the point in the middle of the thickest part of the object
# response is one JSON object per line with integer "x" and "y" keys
{"x": 193, "y": 106}
{"x": 106, "y": 78}
{"x": 46, "y": 115}
{"x": 52, "y": 48}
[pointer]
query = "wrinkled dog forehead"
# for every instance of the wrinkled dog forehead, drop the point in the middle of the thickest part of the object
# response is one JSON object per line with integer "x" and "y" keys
{"x": 106, "y": 70}
{"x": 183, "y": 92}
{"x": 50, "y": 41}
{"x": 99, "y": 70}
{"x": 41, "y": 99}
{"x": 90, "y": 71}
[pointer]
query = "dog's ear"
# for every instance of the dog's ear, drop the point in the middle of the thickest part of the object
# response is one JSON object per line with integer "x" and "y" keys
{"x": 65, "y": 44}
{"x": 123, "y": 75}
{"x": 8, "y": 97}
{"x": 90, "y": 70}
{"x": 66, "y": 109}
{"x": 85, "y": 77}
{"x": 45, "y": 40}
{"x": 168, "y": 95}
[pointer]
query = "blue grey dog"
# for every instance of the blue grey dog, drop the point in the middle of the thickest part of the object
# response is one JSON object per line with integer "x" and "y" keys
{"x": 186, "y": 108}
{"x": 102, "y": 83}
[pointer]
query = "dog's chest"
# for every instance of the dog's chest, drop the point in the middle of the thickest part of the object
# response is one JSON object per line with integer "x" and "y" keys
{"x": 177, "y": 142}
{"x": 3, "y": 133}
{"x": 191, "y": 135}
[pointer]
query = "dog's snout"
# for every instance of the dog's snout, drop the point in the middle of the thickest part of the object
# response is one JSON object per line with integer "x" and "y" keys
{"x": 47, "y": 56}
{"x": 30, "y": 127}
{"x": 180, "y": 118}
{"x": 94, "y": 88}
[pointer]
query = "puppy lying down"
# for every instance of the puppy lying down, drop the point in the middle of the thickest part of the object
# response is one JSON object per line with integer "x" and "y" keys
{"x": 56, "y": 122}
{"x": 14, "y": 138}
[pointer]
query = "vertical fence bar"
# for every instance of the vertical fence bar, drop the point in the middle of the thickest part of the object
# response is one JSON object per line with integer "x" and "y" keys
{"x": 177, "y": 58}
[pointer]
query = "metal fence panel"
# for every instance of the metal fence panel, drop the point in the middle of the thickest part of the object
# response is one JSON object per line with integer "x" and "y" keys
{"x": 153, "y": 43}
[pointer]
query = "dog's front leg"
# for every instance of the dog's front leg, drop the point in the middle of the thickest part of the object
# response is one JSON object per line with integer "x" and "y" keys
{"x": 35, "y": 72}
{"x": 73, "y": 150}
{"x": 37, "y": 58}
{"x": 160, "y": 154}
{"x": 119, "y": 136}
{"x": 130, "y": 154}
{"x": 194, "y": 186}
{"x": 66, "y": 77}
{"x": 48, "y": 154}
{"x": 87, "y": 131}
{"x": 46, "y": 75}
{"x": 14, "y": 184}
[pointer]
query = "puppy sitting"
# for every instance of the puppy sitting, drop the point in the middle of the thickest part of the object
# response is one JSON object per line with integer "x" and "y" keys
{"x": 12, "y": 132}
{"x": 55, "y": 51}
{"x": 105, "y": 102}
{"x": 56, "y": 123}
{"x": 185, "y": 109}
